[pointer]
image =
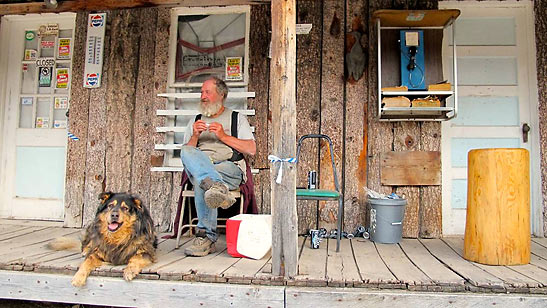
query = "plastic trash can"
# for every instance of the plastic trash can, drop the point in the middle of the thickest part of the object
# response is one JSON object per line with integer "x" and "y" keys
{"x": 386, "y": 220}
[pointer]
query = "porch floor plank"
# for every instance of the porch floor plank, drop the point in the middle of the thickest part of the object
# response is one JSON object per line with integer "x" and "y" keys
{"x": 462, "y": 267}
{"x": 538, "y": 261}
{"x": 341, "y": 268}
{"x": 189, "y": 266}
{"x": 68, "y": 263}
{"x": 539, "y": 250}
{"x": 56, "y": 255}
{"x": 8, "y": 237}
{"x": 245, "y": 270}
{"x": 425, "y": 264}
{"x": 540, "y": 240}
{"x": 312, "y": 265}
{"x": 434, "y": 269}
{"x": 335, "y": 266}
{"x": 533, "y": 272}
{"x": 11, "y": 228}
{"x": 372, "y": 269}
{"x": 167, "y": 259}
{"x": 511, "y": 278}
{"x": 400, "y": 265}
{"x": 216, "y": 267}
{"x": 40, "y": 238}
{"x": 19, "y": 252}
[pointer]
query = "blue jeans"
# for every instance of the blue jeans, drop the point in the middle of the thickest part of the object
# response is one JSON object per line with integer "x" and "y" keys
{"x": 198, "y": 166}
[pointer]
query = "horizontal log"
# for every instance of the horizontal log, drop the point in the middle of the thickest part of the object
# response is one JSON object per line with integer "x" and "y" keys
{"x": 101, "y": 5}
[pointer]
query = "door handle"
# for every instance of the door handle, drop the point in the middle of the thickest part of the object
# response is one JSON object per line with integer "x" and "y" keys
{"x": 525, "y": 130}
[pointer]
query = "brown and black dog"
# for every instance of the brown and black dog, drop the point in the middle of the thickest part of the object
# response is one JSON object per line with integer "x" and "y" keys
{"x": 121, "y": 233}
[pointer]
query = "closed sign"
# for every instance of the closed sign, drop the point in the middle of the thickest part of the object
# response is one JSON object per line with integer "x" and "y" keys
{"x": 42, "y": 62}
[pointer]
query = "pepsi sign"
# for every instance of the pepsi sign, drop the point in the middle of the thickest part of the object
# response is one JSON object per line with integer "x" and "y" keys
{"x": 92, "y": 80}
{"x": 97, "y": 21}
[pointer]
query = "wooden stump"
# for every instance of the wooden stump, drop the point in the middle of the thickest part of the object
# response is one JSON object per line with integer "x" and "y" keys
{"x": 497, "y": 230}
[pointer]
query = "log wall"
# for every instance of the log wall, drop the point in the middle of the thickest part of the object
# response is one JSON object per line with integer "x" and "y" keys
{"x": 541, "y": 60}
{"x": 115, "y": 123}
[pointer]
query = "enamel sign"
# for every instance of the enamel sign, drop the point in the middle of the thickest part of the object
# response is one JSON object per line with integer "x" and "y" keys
{"x": 94, "y": 50}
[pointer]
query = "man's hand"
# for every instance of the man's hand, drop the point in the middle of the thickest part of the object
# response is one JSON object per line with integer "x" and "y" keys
{"x": 244, "y": 146}
{"x": 198, "y": 127}
{"x": 217, "y": 129}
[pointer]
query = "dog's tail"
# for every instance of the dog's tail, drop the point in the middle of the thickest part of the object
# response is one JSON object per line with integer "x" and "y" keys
{"x": 65, "y": 243}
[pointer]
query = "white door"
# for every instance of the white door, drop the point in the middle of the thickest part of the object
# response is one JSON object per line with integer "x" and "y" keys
{"x": 35, "y": 63}
{"x": 497, "y": 97}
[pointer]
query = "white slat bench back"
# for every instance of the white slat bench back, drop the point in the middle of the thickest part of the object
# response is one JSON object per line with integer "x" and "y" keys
{"x": 172, "y": 164}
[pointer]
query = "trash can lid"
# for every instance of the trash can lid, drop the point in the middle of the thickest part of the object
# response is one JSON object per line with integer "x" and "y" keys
{"x": 376, "y": 201}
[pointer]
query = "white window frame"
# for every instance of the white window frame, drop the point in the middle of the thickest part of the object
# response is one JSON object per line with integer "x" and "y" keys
{"x": 176, "y": 12}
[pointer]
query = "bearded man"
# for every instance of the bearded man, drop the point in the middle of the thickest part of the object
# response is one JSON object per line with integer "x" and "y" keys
{"x": 213, "y": 160}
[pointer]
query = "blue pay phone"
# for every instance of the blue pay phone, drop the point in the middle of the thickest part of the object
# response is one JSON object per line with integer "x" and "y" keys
{"x": 412, "y": 59}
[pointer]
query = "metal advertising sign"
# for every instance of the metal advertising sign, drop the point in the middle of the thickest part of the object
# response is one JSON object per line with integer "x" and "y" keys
{"x": 94, "y": 50}
{"x": 62, "y": 78}
{"x": 63, "y": 50}
{"x": 45, "y": 76}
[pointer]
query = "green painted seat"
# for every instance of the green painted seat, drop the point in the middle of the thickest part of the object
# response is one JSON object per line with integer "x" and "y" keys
{"x": 323, "y": 194}
{"x": 316, "y": 194}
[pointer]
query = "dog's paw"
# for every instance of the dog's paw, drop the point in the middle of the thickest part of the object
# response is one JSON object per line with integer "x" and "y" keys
{"x": 78, "y": 280}
{"x": 129, "y": 273}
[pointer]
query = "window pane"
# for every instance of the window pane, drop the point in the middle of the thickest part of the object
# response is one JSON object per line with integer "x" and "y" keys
{"x": 204, "y": 44}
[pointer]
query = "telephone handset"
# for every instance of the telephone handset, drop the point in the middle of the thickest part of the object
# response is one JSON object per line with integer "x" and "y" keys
{"x": 412, "y": 59}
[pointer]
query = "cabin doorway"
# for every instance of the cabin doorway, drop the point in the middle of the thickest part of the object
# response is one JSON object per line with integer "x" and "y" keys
{"x": 35, "y": 77}
{"x": 497, "y": 85}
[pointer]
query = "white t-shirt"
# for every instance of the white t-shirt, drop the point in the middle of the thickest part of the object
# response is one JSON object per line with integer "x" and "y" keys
{"x": 243, "y": 128}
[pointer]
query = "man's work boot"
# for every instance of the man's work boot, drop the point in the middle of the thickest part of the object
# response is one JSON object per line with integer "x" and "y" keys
{"x": 218, "y": 195}
{"x": 201, "y": 246}
{"x": 206, "y": 183}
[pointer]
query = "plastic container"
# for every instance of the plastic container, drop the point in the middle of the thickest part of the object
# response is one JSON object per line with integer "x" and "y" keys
{"x": 386, "y": 220}
{"x": 249, "y": 235}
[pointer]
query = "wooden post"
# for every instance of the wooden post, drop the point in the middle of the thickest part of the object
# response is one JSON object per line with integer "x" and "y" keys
{"x": 283, "y": 102}
{"x": 497, "y": 229}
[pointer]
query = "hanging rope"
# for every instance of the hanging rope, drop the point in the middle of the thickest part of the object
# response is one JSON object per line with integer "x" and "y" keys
{"x": 275, "y": 159}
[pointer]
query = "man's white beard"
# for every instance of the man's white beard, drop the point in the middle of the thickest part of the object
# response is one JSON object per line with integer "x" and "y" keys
{"x": 209, "y": 109}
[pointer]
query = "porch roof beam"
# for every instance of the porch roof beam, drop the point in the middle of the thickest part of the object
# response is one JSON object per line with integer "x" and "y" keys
{"x": 100, "y": 5}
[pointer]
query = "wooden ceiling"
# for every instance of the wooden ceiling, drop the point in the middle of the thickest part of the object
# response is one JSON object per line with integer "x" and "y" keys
{"x": 12, "y": 7}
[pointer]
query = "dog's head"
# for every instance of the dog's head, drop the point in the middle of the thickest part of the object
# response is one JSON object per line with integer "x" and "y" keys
{"x": 124, "y": 213}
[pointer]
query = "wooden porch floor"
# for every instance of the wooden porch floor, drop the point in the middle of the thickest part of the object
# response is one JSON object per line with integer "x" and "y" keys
{"x": 415, "y": 265}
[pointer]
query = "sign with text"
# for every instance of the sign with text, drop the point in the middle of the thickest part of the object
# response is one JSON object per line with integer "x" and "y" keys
{"x": 234, "y": 68}
{"x": 303, "y": 28}
{"x": 96, "y": 25}
{"x": 49, "y": 62}
{"x": 63, "y": 51}
{"x": 48, "y": 29}
{"x": 62, "y": 78}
